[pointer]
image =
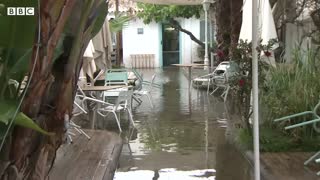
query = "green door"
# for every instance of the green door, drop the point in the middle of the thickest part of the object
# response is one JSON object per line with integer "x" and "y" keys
{"x": 170, "y": 45}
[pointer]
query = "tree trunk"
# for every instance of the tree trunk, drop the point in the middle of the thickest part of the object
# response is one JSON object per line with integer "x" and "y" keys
{"x": 51, "y": 92}
{"x": 228, "y": 20}
{"x": 235, "y": 24}
{"x": 223, "y": 21}
{"x": 175, "y": 24}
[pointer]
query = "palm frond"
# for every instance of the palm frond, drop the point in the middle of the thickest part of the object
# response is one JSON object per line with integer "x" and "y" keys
{"x": 120, "y": 22}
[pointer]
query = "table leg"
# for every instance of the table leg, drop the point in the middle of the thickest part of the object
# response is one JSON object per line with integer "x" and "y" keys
{"x": 94, "y": 116}
{"x": 189, "y": 69}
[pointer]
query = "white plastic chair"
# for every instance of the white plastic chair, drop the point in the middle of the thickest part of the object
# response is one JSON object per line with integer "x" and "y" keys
{"x": 122, "y": 103}
{"x": 221, "y": 82}
{"x": 138, "y": 94}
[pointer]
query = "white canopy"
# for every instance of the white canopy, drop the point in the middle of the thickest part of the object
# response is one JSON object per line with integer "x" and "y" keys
{"x": 89, "y": 66}
{"x": 266, "y": 26}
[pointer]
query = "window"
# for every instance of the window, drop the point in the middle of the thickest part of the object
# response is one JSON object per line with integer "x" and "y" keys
{"x": 140, "y": 30}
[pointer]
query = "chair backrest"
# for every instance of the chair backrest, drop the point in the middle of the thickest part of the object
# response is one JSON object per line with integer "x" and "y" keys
{"x": 116, "y": 78}
{"x": 137, "y": 74}
{"x": 124, "y": 98}
{"x": 117, "y": 70}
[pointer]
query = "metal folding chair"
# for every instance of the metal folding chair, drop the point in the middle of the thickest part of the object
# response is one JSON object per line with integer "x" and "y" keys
{"x": 314, "y": 121}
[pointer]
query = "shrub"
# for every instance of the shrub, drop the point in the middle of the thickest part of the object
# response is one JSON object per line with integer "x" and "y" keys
{"x": 292, "y": 88}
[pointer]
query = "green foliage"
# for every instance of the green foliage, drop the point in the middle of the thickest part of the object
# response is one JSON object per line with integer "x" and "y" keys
{"x": 16, "y": 43}
{"x": 274, "y": 140}
{"x": 241, "y": 82}
{"x": 163, "y": 13}
{"x": 7, "y": 110}
{"x": 119, "y": 22}
{"x": 14, "y": 28}
{"x": 102, "y": 12}
{"x": 292, "y": 88}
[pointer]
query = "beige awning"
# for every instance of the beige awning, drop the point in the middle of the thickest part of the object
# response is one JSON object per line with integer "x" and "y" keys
{"x": 172, "y": 2}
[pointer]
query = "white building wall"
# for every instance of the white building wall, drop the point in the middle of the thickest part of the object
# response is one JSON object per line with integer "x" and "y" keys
{"x": 189, "y": 48}
{"x": 149, "y": 41}
{"x": 146, "y": 43}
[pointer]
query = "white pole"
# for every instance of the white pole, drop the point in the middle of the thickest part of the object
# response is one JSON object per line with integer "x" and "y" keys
{"x": 255, "y": 89}
{"x": 206, "y": 57}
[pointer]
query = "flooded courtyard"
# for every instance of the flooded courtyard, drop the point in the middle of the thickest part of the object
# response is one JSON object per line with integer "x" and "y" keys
{"x": 185, "y": 136}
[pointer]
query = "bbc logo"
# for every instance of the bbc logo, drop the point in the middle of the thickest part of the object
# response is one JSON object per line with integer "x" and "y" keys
{"x": 20, "y": 11}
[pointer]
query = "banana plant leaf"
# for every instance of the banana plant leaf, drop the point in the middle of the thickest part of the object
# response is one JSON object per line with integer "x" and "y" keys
{"x": 17, "y": 31}
{"x": 101, "y": 14}
{"x": 19, "y": 61}
{"x": 7, "y": 110}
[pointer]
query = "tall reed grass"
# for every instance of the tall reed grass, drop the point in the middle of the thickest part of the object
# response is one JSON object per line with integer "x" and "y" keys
{"x": 291, "y": 88}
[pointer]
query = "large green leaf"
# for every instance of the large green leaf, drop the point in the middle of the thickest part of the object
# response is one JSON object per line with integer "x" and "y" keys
{"x": 102, "y": 12}
{"x": 3, "y": 129}
{"x": 25, "y": 121}
{"x": 17, "y": 31}
{"x": 7, "y": 110}
{"x": 19, "y": 64}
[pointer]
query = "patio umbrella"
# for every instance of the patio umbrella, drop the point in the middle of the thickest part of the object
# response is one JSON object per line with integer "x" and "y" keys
{"x": 89, "y": 66}
{"x": 266, "y": 26}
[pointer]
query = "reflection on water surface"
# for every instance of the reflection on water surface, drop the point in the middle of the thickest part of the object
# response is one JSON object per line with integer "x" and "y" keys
{"x": 182, "y": 137}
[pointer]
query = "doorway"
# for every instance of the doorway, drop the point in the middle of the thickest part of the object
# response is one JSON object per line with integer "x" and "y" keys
{"x": 170, "y": 45}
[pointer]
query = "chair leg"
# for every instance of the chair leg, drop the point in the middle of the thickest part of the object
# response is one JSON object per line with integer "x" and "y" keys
{"x": 225, "y": 93}
{"x": 130, "y": 117}
{"x": 208, "y": 86}
{"x": 84, "y": 111}
{"x": 312, "y": 158}
{"x": 137, "y": 99}
{"x": 214, "y": 90}
{"x": 118, "y": 121}
{"x": 78, "y": 128}
{"x": 150, "y": 100}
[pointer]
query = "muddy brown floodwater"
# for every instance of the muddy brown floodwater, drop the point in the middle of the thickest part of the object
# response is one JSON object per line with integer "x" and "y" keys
{"x": 185, "y": 135}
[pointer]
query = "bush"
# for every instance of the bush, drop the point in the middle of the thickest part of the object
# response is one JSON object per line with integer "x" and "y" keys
{"x": 274, "y": 140}
{"x": 292, "y": 88}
